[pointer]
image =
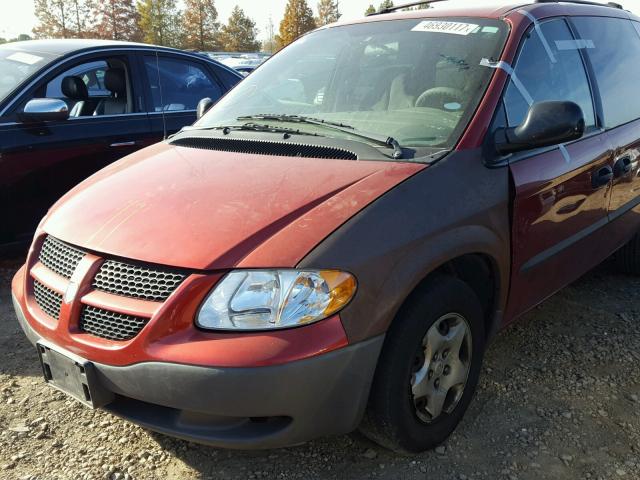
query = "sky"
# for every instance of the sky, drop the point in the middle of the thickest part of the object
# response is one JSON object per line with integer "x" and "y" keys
{"x": 17, "y": 15}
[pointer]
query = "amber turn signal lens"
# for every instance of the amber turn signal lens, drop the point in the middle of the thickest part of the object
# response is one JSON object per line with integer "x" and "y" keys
{"x": 342, "y": 287}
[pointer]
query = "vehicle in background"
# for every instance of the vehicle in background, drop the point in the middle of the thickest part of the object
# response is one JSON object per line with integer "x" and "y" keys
{"x": 245, "y": 70}
{"x": 245, "y": 63}
{"x": 70, "y": 107}
{"x": 337, "y": 240}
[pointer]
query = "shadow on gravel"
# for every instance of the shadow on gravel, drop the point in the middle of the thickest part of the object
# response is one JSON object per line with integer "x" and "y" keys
{"x": 25, "y": 362}
{"x": 354, "y": 456}
{"x": 338, "y": 457}
{"x": 19, "y": 358}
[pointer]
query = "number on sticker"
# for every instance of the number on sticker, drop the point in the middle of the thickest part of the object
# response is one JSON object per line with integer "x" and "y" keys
{"x": 455, "y": 28}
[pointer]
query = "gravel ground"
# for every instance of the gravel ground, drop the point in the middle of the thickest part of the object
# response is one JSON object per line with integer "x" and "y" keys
{"x": 558, "y": 399}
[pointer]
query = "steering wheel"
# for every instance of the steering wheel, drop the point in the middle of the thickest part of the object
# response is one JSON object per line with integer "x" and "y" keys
{"x": 438, "y": 97}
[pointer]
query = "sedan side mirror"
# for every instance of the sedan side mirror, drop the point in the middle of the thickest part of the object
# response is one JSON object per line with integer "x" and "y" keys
{"x": 203, "y": 106}
{"x": 44, "y": 110}
{"x": 546, "y": 124}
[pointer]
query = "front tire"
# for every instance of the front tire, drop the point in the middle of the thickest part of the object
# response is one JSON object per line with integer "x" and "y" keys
{"x": 428, "y": 369}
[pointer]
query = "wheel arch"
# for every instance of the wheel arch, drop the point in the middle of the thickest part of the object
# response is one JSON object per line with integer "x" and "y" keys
{"x": 475, "y": 255}
{"x": 480, "y": 272}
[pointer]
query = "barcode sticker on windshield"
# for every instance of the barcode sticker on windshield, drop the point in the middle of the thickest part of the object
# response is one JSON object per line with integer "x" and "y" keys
{"x": 455, "y": 28}
{"x": 24, "y": 58}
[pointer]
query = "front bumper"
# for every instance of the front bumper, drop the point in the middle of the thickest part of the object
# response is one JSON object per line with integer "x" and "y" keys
{"x": 245, "y": 408}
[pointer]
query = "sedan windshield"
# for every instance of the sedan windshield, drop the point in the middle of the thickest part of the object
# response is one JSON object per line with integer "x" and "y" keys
{"x": 417, "y": 82}
{"x": 16, "y": 66}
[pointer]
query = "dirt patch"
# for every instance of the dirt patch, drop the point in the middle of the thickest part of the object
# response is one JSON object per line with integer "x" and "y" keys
{"x": 558, "y": 399}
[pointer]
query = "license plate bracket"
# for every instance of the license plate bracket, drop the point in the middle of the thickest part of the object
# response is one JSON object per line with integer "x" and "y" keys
{"x": 73, "y": 376}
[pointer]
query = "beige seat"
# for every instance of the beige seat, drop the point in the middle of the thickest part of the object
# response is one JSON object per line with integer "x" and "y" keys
{"x": 403, "y": 91}
{"x": 398, "y": 96}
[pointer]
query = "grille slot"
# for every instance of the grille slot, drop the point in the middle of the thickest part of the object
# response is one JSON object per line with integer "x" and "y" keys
{"x": 48, "y": 300}
{"x": 60, "y": 257}
{"x": 137, "y": 282}
{"x": 265, "y": 147}
{"x": 110, "y": 325}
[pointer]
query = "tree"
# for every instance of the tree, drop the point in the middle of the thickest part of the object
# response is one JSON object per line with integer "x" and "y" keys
{"x": 159, "y": 22}
{"x": 200, "y": 26}
{"x": 371, "y": 10}
{"x": 53, "y": 19}
{"x": 298, "y": 20}
{"x": 269, "y": 44}
{"x": 117, "y": 20}
{"x": 23, "y": 37}
{"x": 422, "y": 6}
{"x": 240, "y": 33}
{"x": 64, "y": 18}
{"x": 385, "y": 4}
{"x": 81, "y": 13}
{"x": 328, "y": 12}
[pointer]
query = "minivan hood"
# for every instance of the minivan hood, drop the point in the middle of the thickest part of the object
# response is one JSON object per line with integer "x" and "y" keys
{"x": 204, "y": 209}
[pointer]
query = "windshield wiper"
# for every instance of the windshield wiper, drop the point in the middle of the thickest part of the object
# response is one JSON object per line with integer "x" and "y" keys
{"x": 251, "y": 127}
{"x": 282, "y": 117}
{"x": 386, "y": 141}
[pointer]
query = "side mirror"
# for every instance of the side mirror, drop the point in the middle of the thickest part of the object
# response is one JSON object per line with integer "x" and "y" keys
{"x": 546, "y": 124}
{"x": 203, "y": 106}
{"x": 44, "y": 110}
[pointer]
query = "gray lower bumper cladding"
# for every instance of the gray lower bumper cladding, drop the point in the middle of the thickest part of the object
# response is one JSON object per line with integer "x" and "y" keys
{"x": 244, "y": 408}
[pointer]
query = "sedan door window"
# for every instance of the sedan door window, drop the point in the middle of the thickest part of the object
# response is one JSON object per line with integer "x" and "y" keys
{"x": 92, "y": 75}
{"x": 178, "y": 85}
{"x": 98, "y": 87}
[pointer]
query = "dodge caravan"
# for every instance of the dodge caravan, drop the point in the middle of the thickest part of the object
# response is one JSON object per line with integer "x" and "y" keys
{"x": 334, "y": 243}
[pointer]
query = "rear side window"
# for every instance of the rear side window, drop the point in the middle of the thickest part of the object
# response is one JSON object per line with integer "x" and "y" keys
{"x": 549, "y": 69}
{"x": 228, "y": 78}
{"x": 179, "y": 84}
{"x": 616, "y": 60}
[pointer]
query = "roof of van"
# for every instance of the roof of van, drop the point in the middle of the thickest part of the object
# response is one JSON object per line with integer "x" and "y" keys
{"x": 500, "y": 9}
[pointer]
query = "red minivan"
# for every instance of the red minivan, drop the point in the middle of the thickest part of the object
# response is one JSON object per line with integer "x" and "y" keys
{"x": 336, "y": 241}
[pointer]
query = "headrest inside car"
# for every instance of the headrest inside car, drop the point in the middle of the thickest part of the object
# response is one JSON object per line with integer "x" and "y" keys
{"x": 74, "y": 88}
{"x": 114, "y": 80}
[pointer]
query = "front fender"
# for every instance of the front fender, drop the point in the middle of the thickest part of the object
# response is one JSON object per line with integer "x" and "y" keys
{"x": 453, "y": 208}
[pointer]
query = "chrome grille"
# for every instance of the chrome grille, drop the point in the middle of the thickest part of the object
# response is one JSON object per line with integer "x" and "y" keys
{"x": 110, "y": 325}
{"x": 60, "y": 257}
{"x": 48, "y": 300}
{"x": 137, "y": 282}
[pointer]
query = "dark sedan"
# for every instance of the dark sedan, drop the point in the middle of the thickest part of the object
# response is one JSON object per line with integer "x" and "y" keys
{"x": 70, "y": 107}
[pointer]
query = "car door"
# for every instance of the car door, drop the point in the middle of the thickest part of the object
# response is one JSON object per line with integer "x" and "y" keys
{"x": 561, "y": 194}
{"x": 176, "y": 83}
{"x": 46, "y": 159}
{"x": 617, "y": 71}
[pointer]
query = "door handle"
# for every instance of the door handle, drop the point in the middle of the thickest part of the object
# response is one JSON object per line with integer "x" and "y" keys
{"x": 122, "y": 144}
{"x": 601, "y": 177}
{"x": 622, "y": 166}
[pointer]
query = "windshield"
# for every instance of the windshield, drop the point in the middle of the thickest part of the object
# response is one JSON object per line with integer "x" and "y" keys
{"x": 418, "y": 81}
{"x": 16, "y": 66}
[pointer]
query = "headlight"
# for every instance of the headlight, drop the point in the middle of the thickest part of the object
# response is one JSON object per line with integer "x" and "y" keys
{"x": 272, "y": 299}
